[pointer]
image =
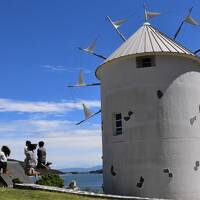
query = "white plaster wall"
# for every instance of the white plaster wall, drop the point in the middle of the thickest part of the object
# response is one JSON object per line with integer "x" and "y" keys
{"x": 147, "y": 144}
{"x": 181, "y": 138}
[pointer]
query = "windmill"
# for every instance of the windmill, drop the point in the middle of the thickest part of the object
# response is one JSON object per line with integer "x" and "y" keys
{"x": 131, "y": 106}
{"x": 116, "y": 25}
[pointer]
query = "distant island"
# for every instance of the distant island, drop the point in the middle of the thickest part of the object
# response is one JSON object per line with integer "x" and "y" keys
{"x": 90, "y": 170}
{"x": 41, "y": 171}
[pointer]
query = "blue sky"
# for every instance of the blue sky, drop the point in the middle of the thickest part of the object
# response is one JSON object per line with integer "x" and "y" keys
{"x": 39, "y": 57}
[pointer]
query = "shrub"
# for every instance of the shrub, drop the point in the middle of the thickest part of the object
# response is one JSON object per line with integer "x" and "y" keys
{"x": 16, "y": 180}
{"x": 51, "y": 179}
{"x": 87, "y": 189}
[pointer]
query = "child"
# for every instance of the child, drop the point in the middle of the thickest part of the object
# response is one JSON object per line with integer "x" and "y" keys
{"x": 4, "y": 154}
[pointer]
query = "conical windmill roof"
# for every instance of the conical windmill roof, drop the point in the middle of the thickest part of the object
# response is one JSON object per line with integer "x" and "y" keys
{"x": 148, "y": 40}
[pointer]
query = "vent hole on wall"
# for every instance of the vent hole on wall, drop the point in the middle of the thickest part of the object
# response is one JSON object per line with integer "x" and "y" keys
{"x": 112, "y": 171}
{"x": 140, "y": 183}
{"x": 130, "y": 113}
{"x": 192, "y": 120}
{"x": 141, "y": 179}
{"x": 170, "y": 175}
{"x": 127, "y": 118}
{"x": 159, "y": 94}
{"x": 166, "y": 170}
{"x": 195, "y": 168}
{"x": 197, "y": 164}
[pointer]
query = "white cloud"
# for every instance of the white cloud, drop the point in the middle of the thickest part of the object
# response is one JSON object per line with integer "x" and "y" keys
{"x": 9, "y": 105}
{"x": 67, "y": 145}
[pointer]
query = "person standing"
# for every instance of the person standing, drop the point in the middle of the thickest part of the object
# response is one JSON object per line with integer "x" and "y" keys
{"x": 4, "y": 154}
{"x": 31, "y": 161}
{"x": 28, "y": 143}
{"x": 41, "y": 156}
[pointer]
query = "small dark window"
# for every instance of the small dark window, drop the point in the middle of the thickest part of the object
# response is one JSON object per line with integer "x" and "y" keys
{"x": 118, "y": 116}
{"x": 117, "y": 124}
{"x": 145, "y": 61}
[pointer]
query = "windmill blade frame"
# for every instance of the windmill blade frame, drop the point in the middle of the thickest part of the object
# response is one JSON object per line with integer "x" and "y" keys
{"x": 84, "y": 85}
{"x": 116, "y": 29}
{"x": 89, "y": 117}
{"x": 81, "y": 82}
{"x": 93, "y": 53}
{"x": 91, "y": 47}
{"x": 178, "y": 30}
{"x": 197, "y": 51}
{"x": 188, "y": 19}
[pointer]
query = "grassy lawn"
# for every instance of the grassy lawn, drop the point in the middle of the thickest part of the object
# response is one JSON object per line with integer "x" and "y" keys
{"x": 18, "y": 194}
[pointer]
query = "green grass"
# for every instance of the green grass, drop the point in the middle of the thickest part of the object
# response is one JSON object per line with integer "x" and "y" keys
{"x": 18, "y": 194}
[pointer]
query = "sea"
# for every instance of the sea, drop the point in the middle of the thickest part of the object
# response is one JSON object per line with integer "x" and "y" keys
{"x": 85, "y": 181}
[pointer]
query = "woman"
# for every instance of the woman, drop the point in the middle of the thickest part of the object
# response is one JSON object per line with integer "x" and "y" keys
{"x": 4, "y": 154}
{"x": 31, "y": 160}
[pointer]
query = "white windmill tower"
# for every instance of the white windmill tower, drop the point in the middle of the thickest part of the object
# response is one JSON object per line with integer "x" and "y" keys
{"x": 150, "y": 99}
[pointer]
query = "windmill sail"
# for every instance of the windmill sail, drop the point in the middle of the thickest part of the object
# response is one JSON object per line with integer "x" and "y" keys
{"x": 191, "y": 21}
{"x": 89, "y": 117}
{"x": 188, "y": 19}
{"x": 116, "y": 25}
{"x": 90, "y": 49}
{"x": 87, "y": 112}
{"x": 81, "y": 81}
{"x": 150, "y": 15}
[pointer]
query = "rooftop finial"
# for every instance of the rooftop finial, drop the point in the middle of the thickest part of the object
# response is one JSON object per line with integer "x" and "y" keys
{"x": 145, "y": 12}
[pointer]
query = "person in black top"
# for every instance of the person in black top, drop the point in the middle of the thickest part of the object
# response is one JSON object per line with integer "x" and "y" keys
{"x": 41, "y": 155}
